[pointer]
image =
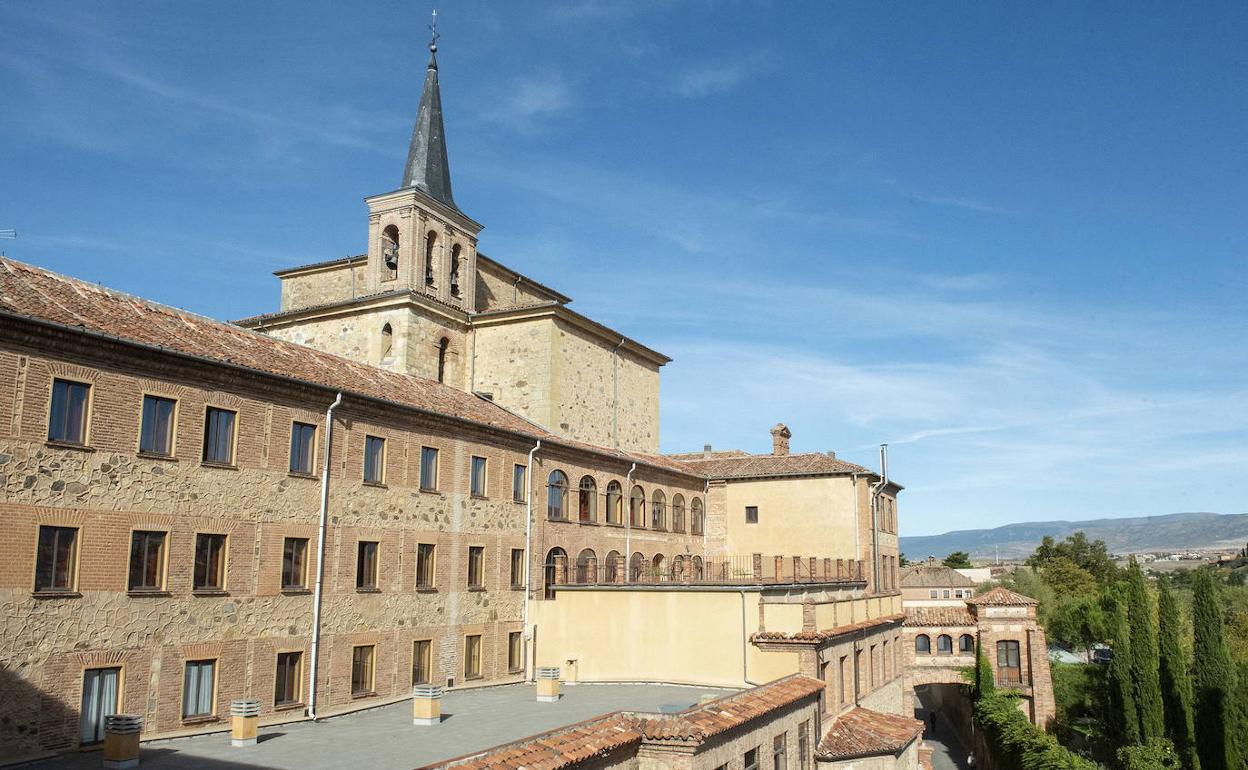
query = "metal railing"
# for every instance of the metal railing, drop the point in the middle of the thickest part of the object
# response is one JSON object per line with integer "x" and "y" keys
{"x": 754, "y": 569}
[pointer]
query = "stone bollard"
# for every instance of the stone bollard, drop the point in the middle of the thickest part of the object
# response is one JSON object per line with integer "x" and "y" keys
{"x": 121, "y": 740}
{"x": 244, "y": 716}
{"x": 426, "y": 705}
{"x": 548, "y": 684}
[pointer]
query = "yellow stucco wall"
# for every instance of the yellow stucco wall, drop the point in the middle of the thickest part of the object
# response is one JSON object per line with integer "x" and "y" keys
{"x": 684, "y": 636}
{"x": 796, "y": 517}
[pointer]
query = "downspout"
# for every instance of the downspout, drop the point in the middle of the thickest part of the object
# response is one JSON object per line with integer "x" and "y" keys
{"x": 615, "y": 394}
{"x": 320, "y": 557}
{"x": 528, "y": 546}
{"x": 745, "y": 644}
{"x": 628, "y": 526}
{"x": 875, "y": 516}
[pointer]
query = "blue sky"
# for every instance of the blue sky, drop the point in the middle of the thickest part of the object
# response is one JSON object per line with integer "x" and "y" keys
{"x": 1009, "y": 239}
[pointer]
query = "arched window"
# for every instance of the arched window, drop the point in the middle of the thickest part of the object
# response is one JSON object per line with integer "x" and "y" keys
{"x": 658, "y": 510}
{"x": 443, "y": 344}
{"x": 557, "y": 495}
{"x": 679, "y": 568}
{"x": 923, "y": 644}
{"x": 944, "y": 644}
{"x": 966, "y": 643}
{"x": 556, "y": 563}
{"x": 455, "y": 270}
{"x": 612, "y": 568}
{"x": 390, "y": 253}
{"x": 697, "y": 568}
{"x": 678, "y": 513}
{"x": 695, "y": 516}
{"x": 587, "y": 567}
{"x": 587, "y": 500}
{"x": 637, "y": 507}
{"x": 657, "y": 565}
{"x": 431, "y": 241}
{"x": 387, "y": 343}
{"x": 636, "y": 565}
{"x": 614, "y": 494}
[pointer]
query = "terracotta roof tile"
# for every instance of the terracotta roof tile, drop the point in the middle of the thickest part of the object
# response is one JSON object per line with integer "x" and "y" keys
{"x": 939, "y": 616}
{"x": 1002, "y": 597}
{"x": 818, "y": 636}
{"x": 42, "y": 295}
{"x": 862, "y": 732}
{"x": 934, "y": 576}
{"x": 764, "y": 466}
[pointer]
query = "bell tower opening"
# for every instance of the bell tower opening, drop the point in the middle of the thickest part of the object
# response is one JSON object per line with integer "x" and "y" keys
{"x": 390, "y": 253}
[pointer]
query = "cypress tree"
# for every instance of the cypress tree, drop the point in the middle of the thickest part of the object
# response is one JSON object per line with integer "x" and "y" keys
{"x": 1213, "y": 680}
{"x": 1175, "y": 680}
{"x": 1146, "y": 689}
{"x": 1122, "y": 720}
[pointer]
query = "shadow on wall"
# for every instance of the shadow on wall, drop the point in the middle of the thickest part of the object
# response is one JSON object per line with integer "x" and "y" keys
{"x": 31, "y": 721}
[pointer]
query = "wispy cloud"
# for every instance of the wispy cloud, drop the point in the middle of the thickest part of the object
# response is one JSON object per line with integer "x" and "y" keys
{"x": 525, "y": 102}
{"x": 710, "y": 78}
{"x": 960, "y": 202}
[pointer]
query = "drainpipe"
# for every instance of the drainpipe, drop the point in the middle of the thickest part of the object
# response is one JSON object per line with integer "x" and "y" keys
{"x": 320, "y": 557}
{"x": 875, "y": 516}
{"x": 615, "y": 394}
{"x": 528, "y": 540}
{"x": 628, "y": 526}
{"x": 745, "y": 644}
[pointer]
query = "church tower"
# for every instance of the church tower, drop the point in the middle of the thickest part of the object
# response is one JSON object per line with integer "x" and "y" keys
{"x": 418, "y": 239}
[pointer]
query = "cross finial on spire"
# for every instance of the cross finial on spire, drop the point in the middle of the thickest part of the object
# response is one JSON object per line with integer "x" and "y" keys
{"x": 433, "y": 29}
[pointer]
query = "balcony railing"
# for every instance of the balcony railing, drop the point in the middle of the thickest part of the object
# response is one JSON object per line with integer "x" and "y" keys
{"x": 755, "y": 569}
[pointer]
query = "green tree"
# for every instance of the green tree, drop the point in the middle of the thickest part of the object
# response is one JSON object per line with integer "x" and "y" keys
{"x": 985, "y": 684}
{"x": 1213, "y": 680}
{"x": 1146, "y": 689}
{"x": 1174, "y": 679}
{"x": 1067, "y": 578}
{"x": 1157, "y": 754}
{"x": 1121, "y": 718}
{"x": 1076, "y": 621}
{"x": 958, "y": 560}
{"x": 1091, "y": 555}
{"x": 902, "y": 561}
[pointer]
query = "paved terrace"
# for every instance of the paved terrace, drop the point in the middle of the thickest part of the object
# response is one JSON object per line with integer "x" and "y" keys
{"x": 384, "y": 738}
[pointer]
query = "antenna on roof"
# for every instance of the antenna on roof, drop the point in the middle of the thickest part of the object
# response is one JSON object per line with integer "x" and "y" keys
{"x": 8, "y": 235}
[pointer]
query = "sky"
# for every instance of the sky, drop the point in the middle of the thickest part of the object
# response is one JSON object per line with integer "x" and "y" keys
{"x": 1008, "y": 239}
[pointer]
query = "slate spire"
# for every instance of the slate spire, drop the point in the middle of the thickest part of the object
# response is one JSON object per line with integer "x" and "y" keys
{"x": 427, "y": 168}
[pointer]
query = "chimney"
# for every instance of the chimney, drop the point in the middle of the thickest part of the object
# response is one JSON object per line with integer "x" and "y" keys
{"x": 831, "y": 454}
{"x": 780, "y": 436}
{"x": 706, "y": 450}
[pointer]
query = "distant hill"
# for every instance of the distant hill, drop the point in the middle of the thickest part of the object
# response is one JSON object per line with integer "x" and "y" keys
{"x": 1131, "y": 535}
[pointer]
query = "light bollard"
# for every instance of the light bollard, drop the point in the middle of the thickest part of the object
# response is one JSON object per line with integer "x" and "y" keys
{"x": 548, "y": 684}
{"x": 426, "y": 705}
{"x": 121, "y": 740}
{"x": 244, "y": 718}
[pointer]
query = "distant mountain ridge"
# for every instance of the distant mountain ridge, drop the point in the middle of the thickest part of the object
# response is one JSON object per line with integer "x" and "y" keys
{"x": 1173, "y": 531}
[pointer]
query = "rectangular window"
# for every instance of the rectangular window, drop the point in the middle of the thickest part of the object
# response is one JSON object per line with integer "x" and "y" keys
{"x": 946, "y": 593}
{"x": 476, "y": 566}
{"x": 425, "y": 564}
{"x": 294, "y": 563}
{"x": 156, "y": 428}
{"x": 428, "y": 469}
{"x": 750, "y": 760}
{"x": 515, "y": 652}
{"x": 751, "y": 514}
{"x": 933, "y": 594}
{"x": 219, "y": 436}
{"x": 366, "y": 566}
{"x": 422, "y": 658}
{"x": 374, "y": 460}
{"x": 56, "y": 559}
{"x": 209, "y": 563}
{"x": 1009, "y": 663}
{"x": 302, "y": 445}
{"x": 518, "y": 475}
{"x": 286, "y": 690}
{"x": 67, "y": 419}
{"x": 472, "y": 656}
{"x": 478, "y": 477}
{"x": 362, "y": 669}
{"x": 198, "y": 689}
{"x": 779, "y": 752}
{"x": 846, "y": 679}
{"x": 517, "y": 568}
{"x": 147, "y": 561}
{"x": 803, "y": 745}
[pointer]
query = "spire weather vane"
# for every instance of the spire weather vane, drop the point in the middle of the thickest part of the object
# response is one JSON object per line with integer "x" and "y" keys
{"x": 433, "y": 29}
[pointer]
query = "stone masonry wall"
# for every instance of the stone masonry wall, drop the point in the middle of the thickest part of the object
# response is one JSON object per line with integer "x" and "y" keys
{"x": 322, "y": 286}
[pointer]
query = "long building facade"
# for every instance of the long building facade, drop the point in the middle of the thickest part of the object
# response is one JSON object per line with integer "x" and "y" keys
{"x": 423, "y": 468}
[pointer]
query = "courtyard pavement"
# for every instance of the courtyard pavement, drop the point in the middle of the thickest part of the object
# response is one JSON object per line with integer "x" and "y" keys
{"x": 384, "y": 738}
{"x": 947, "y": 751}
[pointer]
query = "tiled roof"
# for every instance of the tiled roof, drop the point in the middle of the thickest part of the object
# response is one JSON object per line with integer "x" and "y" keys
{"x": 939, "y": 616}
{"x": 764, "y": 466}
{"x": 819, "y": 636}
{"x": 934, "y": 576}
{"x": 572, "y": 745}
{"x": 323, "y": 263}
{"x": 1002, "y": 597}
{"x": 862, "y": 732}
{"x": 41, "y": 295}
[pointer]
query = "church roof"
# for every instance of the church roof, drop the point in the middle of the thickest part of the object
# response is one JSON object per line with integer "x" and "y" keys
{"x": 427, "y": 168}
